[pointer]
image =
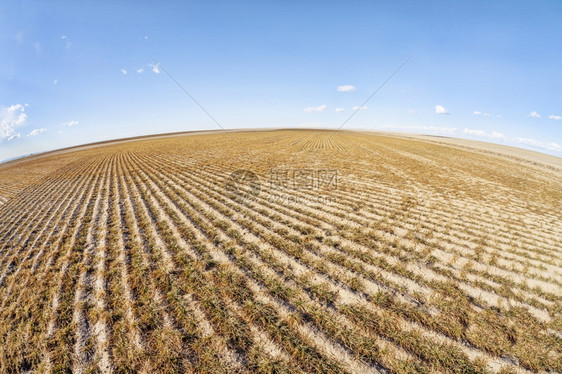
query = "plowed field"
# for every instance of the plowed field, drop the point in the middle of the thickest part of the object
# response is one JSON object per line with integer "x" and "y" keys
{"x": 280, "y": 251}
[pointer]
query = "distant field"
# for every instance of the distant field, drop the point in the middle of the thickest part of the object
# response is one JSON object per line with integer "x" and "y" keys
{"x": 282, "y": 251}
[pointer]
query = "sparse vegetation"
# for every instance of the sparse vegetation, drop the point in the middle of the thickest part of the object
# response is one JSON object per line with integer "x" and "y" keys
{"x": 131, "y": 257}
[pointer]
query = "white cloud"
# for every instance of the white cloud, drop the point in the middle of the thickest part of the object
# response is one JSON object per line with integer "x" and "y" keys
{"x": 493, "y": 135}
{"x": 140, "y": 70}
{"x": 528, "y": 141}
{"x": 10, "y": 118}
{"x": 155, "y": 68}
{"x": 477, "y": 112}
{"x": 311, "y": 109}
{"x": 15, "y": 136}
{"x": 446, "y": 130}
{"x": 484, "y": 134}
{"x": 475, "y": 132}
{"x": 339, "y": 110}
{"x": 557, "y": 118}
{"x": 36, "y": 132}
{"x": 497, "y": 135}
{"x": 346, "y": 88}
{"x": 65, "y": 38}
{"x": 70, "y": 124}
{"x": 37, "y": 47}
{"x": 124, "y": 72}
{"x": 359, "y": 108}
{"x": 535, "y": 143}
{"x": 411, "y": 111}
{"x": 440, "y": 109}
{"x": 55, "y": 82}
{"x": 534, "y": 114}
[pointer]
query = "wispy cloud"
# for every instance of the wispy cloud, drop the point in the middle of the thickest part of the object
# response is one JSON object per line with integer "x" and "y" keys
{"x": 497, "y": 135}
{"x": 70, "y": 124}
{"x": 474, "y": 132}
{"x": 312, "y": 109}
{"x": 359, "y": 108}
{"x": 519, "y": 140}
{"x": 67, "y": 41}
{"x": 411, "y": 111}
{"x": 55, "y": 82}
{"x": 439, "y": 129}
{"x": 534, "y": 114}
{"x": 155, "y": 68}
{"x": 538, "y": 144}
{"x": 339, "y": 110}
{"x": 14, "y": 136}
{"x": 346, "y": 88}
{"x": 440, "y": 109}
{"x": 10, "y": 118}
{"x": 484, "y": 134}
{"x": 477, "y": 113}
{"x": 36, "y": 132}
{"x": 555, "y": 117}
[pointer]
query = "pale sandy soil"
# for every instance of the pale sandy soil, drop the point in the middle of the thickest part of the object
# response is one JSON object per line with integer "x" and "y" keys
{"x": 517, "y": 154}
{"x": 432, "y": 253}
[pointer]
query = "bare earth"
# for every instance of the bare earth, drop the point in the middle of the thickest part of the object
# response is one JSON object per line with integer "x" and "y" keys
{"x": 355, "y": 252}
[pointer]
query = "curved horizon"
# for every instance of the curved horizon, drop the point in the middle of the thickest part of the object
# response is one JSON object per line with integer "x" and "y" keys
{"x": 76, "y": 74}
{"x": 77, "y": 147}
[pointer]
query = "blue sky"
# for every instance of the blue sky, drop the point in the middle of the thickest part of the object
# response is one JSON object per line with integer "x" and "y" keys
{"x": 79, "y": 72}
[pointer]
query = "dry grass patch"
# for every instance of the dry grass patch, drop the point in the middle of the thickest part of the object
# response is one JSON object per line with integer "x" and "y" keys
{"x": 426, "y": 257}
